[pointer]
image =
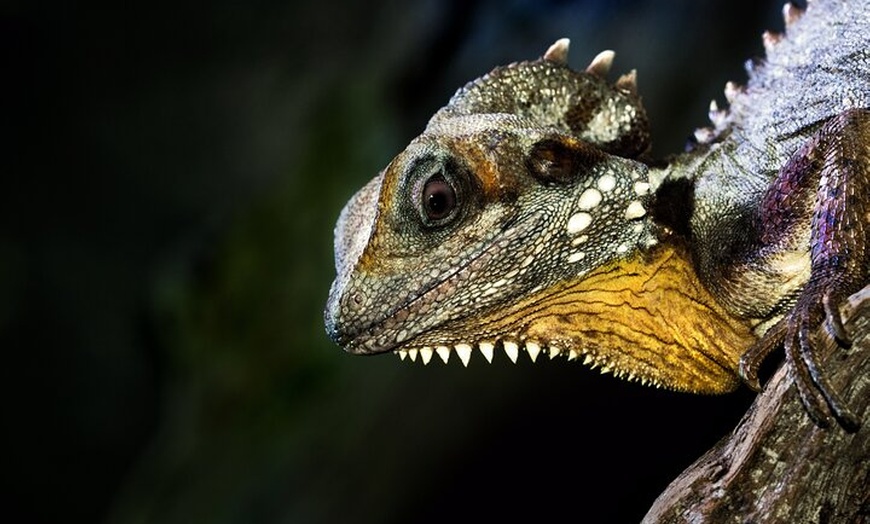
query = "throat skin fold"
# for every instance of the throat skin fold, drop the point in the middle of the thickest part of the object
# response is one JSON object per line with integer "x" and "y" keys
{"x": 646, "y": 318}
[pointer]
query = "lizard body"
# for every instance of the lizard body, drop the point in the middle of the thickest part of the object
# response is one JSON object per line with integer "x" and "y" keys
{"x": 528, "y": 216}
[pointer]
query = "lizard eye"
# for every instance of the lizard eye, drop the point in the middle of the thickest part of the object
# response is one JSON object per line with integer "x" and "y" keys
{"x": 439, "y": 198}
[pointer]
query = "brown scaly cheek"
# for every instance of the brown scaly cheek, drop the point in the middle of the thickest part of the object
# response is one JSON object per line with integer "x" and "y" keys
{"x": 646, "y": 319}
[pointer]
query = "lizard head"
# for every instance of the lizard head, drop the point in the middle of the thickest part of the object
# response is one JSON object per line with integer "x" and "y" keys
{"x": 508, "y": 189}
{"x": 482, "y": 232}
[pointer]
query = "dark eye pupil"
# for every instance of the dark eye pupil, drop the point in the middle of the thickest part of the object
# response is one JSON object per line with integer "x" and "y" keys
{"x": 439, "y": 199}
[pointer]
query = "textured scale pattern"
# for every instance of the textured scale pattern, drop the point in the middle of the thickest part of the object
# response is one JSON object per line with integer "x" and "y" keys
{"x": 527, "y": 217}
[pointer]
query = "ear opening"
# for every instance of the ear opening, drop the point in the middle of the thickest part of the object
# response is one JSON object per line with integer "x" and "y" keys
{"x": 560, "y": 159}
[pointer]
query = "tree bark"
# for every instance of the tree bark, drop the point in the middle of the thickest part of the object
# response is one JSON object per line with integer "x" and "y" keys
{"x": 777, "y": 466}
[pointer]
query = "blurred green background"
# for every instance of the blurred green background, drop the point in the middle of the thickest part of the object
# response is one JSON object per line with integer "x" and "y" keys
{"x": 172, "y": 176}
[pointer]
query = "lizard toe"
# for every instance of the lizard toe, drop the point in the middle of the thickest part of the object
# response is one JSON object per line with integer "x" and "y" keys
{"x": 803, "y": 351}
{"x": 799, "y": 334}
{"x": 804, "y": 370}
{"x": 834, "y": 320}
{"x": 751, "y": 361}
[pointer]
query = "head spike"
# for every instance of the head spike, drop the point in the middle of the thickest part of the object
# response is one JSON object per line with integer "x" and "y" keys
{"x": 717, "y": 116}
{"x": 752, "y": 65}
{"x": 704, "y": 135}
{"x": 627, "y": 83}
{"x": 770, "y": 39}
{"x": 558, "y": 52}
{"x": 600, "y": 65}
{"x": 791, "y": 13}
{"x": 731, "y": 91}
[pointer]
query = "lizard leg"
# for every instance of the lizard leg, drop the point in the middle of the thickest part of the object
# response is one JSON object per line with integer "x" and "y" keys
{"x": 837, "y": 161}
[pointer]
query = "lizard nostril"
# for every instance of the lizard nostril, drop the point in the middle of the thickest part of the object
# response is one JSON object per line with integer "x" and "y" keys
{"x": 357, "y": 299}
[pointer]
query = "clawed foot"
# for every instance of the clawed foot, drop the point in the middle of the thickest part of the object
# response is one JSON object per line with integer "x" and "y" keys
{"x": 797, "y": 333}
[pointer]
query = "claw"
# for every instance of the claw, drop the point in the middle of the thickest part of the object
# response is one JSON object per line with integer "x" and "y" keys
{"x": 818, "y": 396}
{"x": 801, "y": 360}
{"x": 824, "y": 390}
{"x": 752, "y": 359}
{"x": 835, "y": 321}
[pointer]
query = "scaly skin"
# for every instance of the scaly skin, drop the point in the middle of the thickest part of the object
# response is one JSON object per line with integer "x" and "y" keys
{"x": 527, "y": 216}
{"x": 549, "y": 245}
{"x": 781, "y": 185}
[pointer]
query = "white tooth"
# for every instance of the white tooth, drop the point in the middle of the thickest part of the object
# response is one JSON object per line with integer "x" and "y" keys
{"x": 588, "y": 359}
{"x": 573, "y": 354}
{"x": 512, "y": 351}
{"x": 426, "y": 355}
{"x": 464, "y": 352}
{"x": 554, "y": 351}
{"x": 413, "y": 354}
{"x": 487, "y": 348}
{"x": 402, "y": 354}
{"x": 533, "y": 350}
{"x": 605, "y": 370}
{"x": 443, "y": 352}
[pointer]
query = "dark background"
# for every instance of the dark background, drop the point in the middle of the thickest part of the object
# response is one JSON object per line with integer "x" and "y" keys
{"x": 172, "y": 174}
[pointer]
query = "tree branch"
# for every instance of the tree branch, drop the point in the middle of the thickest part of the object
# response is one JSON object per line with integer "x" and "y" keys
{"x": 777, "y": 466}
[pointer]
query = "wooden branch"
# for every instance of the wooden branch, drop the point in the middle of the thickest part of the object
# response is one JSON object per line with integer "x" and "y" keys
{"x": 777, "y": 466}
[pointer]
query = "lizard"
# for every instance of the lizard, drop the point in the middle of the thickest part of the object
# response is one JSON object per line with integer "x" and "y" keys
{"x": 530, "y": 216}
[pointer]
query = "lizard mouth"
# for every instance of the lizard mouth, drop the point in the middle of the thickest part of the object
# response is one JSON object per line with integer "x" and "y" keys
{"x": 425, "y": 313}
{"x": 512, "y": 346}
